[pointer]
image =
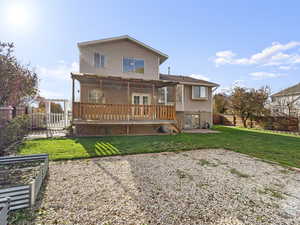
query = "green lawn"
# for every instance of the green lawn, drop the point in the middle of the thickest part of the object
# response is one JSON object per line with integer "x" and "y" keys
{"x": 282, "y": 148}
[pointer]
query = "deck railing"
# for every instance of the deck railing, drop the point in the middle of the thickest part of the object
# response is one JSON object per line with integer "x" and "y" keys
{"x": 122, "y": 112}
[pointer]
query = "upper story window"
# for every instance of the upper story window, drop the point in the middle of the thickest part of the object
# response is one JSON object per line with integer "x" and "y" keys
{"x": 99, "y": 60}
{"x": 199, "y": 92}
{"x": 133, "y": 65}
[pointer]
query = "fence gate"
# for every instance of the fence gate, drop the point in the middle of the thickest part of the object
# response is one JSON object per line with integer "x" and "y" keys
{"x": 50, "y": 120}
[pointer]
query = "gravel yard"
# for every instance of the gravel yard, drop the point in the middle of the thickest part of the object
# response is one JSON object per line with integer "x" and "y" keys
{"x": 194, "y": 187}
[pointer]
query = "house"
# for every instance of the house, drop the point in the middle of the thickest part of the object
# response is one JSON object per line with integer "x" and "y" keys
{"x": 287, "y": 101}
{"x": 123, "y": 92}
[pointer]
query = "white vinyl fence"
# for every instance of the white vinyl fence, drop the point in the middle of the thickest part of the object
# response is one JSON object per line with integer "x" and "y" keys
{"x": 49, "y": 120}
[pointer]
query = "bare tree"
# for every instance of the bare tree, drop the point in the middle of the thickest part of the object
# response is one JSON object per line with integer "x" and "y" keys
{"x": 221, "y": 103}
{"x": 249, "y": 103}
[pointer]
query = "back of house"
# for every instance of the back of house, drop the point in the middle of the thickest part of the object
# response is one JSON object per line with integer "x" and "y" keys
{"x": 123, "y": 92}
{"x": 287, "y": 101}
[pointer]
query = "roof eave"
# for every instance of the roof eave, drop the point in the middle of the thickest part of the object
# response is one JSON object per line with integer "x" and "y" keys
{"x": 163, "y": 56}
{"x": 285, "y": 94}
{"x": 199, "y": 83}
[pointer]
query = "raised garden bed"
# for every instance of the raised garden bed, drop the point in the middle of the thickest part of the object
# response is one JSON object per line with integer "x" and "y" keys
{"x": 21, "y": 178}
{"x": 18, "y": 173}
{"x": 4, "y": 208}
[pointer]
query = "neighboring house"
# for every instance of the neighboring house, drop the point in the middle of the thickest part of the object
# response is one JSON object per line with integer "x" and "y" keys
{"x": 287, "y": 101}
{"x": 122, "y": 91}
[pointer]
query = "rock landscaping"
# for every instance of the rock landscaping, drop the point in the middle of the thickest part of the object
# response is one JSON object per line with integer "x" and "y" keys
{"x": 208, "y": 187}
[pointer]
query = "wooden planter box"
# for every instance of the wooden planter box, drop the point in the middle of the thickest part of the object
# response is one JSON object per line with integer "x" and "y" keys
{"x": 23, "y": 196}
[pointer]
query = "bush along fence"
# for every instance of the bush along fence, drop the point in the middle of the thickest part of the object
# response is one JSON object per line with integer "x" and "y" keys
{"x": 23, "y": 196}
{"x": 279, "y": 123}
{"x": 4, "y": 208}
{"x": 13, "y": 131}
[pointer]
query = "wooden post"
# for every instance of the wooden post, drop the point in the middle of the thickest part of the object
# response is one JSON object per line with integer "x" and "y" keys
{"x": 65, "y": 114}
{"x": 128, "y": 108}
{"x": 154, "y": 102}
{"x": 101, "y": 88}
{"x": 174, "y": 93}
{"x": 153, "y": 95}
{"x": 128, "y": 92}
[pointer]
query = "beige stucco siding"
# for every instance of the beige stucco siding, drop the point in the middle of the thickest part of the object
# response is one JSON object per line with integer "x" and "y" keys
{"x": 191, "y": 105}
{"x": 117, "y": 94}
{"x": 114, "y": 53}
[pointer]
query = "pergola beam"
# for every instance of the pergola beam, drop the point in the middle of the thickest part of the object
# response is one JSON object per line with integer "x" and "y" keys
{"x": 93, "y": 77}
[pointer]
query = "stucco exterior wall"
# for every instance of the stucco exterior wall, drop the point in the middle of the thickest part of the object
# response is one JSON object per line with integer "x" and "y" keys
{"x": 289, "y": 104}
{"x": 118, "y": 93}
{"x": 202, "y": 109}
{"x": 191, "y": 105}
{"x": 114, "y": 53}
{"x": 185, "y": 120}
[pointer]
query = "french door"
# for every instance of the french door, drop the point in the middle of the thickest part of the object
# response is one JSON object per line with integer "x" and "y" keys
{"x": 140, "y": 99}
{"x": 141, "y": 108}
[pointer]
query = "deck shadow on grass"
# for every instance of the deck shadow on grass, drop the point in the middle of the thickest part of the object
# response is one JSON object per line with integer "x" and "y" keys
{"x": 94, "y": 147}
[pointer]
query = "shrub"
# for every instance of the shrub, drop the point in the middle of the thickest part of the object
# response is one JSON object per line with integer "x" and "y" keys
{"x": 12, "y": 131}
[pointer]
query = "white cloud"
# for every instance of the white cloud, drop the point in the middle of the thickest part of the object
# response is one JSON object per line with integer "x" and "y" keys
{"x": 61, "y": 71}
{"x": 225, "y": 54}
{"x": 200, "y": 77}
{"x": 238, "y": 83}
{"x": 270, "y": 56}
{"x": 224, "y": 57}
{"x": 296, "y": 59}
{"x": 55, "y": 82}
{"x": 264, "y": 75}
{"x": 228, "y": 89}
{"x": 285, "y": 67}
{"x": 50, "y": 94}
{"x": 269, "y": 51}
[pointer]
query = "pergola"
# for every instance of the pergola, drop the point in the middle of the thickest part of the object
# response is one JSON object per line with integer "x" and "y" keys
{"x": 94, "y": 78}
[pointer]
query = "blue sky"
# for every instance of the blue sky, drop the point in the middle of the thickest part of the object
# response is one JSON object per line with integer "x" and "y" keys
{"x": 252, "y": 43}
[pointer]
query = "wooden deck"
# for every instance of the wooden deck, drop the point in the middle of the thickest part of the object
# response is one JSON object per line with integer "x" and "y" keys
{"x": 124, "y": 122}
{"x": 89, "y": 113}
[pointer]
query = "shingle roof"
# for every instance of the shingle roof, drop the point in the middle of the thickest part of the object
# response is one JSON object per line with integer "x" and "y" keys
{"x": 186, "y": 79}
{"x": 289, "y": 91}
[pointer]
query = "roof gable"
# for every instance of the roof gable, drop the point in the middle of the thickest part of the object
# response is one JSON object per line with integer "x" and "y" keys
{"x": 162, "y": 57}
{"x": 293, "y": 90}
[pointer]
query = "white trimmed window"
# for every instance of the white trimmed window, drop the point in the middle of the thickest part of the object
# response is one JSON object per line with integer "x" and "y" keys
{"x": 133, "y": 65}
{"x": 141, "y": 99}
{"x": 199, "y": 92}
{"x": 95, "y": 96}
{"x": 99, "y": 60}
